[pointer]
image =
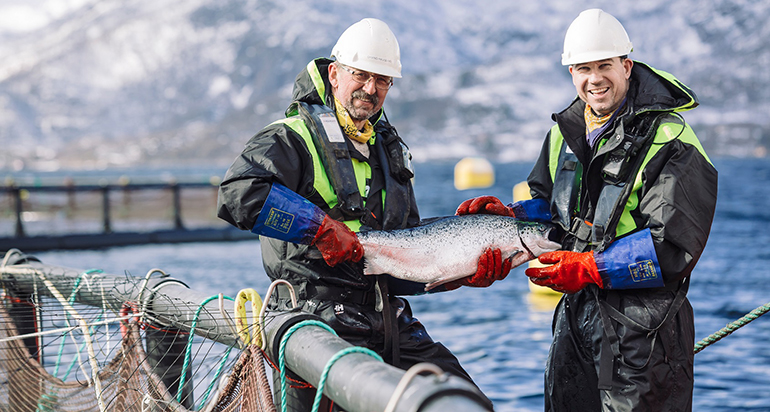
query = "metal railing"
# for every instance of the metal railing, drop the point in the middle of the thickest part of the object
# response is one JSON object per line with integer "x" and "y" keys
{"x": 19, "y": 193}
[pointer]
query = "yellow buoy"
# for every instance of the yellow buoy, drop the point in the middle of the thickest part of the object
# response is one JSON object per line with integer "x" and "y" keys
{"x": 521, "y": 192}
{"x": 474, "y": 173}
{"x": 543, "y": 302}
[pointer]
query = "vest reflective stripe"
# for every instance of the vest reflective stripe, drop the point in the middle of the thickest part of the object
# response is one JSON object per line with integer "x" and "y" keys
{"x": 363, "y": 173}
{"x": 317, "y": 79}
{"x": 554, "y": 149}
{"x": 321, "y": 181}
{"x": 566, "y": 172}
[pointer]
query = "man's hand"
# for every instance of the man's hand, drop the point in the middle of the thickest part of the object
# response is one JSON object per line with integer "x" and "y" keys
{"x": 491, "y": 268}
{"x": 489, "y": 205}
{"x": 337, "y": 242}
{"x": 569, "y": 271}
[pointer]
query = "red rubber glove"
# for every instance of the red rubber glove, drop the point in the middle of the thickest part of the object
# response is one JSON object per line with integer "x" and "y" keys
{"x": 491, "y": 267}
{"x": 337, "y": 242}
{"x": 569, "y": 271}
{"x": 488, "y": 205}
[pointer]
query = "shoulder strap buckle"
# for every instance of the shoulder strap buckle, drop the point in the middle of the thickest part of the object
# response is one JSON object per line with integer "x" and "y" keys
{"x": 580, "y": 230}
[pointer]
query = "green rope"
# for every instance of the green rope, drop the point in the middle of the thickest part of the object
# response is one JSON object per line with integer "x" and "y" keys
{"x": 337, "y": 356}
{"x": 731, "y": 327}
{"x": 214, "y": 379}
{"x": 47, "y": 402}
{"x": 218, "y": 372}
{"x": 188, "y": 349}
{"x": 71, "y": 301}
{"x": 282, "y": 352}
{"x": 91, "y": 332}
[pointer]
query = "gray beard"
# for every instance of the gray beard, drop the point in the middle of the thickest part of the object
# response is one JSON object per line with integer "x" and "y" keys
{"x": 360, "y": 114}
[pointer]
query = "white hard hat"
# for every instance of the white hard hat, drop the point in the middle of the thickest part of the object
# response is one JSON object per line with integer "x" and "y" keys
{"x": 369, "y": 45}
{"x": 594, "y": 35}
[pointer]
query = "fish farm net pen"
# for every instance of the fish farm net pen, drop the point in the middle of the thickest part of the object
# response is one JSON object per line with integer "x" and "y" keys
{"x": 731, "y": 327}
{"x": 95, "y": 359}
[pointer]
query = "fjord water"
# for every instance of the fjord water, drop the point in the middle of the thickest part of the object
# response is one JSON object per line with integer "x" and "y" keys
{"x": 501, "y": 334}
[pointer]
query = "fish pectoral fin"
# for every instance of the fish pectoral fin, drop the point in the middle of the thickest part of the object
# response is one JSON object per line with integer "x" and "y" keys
{"x": 440, "y": 281}
{"x": 431, "y": 285}
{"x": 519, "y": 257}
{"x": 515, "y": 254}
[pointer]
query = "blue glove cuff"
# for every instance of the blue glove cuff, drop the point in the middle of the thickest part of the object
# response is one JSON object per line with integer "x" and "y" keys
{"x": 288, "y": 216}
{"x": 630, "y": 263}
{"x": 533, "y": 210}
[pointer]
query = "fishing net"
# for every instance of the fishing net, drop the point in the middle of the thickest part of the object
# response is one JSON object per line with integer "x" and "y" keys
{"x": 127, "y": 382}
{"x": 49, "y": 362}
{"x": 246, "y": 390}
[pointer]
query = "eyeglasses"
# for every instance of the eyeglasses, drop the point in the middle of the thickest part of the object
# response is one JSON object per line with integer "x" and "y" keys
{"x": 380, "y": 82}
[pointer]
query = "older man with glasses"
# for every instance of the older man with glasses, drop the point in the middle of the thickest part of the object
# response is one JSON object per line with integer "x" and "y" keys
{"x": 335, "y": 166}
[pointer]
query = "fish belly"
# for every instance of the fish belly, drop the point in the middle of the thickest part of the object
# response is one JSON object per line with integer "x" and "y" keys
{"x": 432, "y": 266}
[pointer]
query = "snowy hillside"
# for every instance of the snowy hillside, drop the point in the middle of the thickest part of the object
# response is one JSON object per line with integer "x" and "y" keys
{"x": 100, "y": 83}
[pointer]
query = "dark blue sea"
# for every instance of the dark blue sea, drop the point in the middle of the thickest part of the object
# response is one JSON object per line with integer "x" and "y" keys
{"x": 501, "y": 334}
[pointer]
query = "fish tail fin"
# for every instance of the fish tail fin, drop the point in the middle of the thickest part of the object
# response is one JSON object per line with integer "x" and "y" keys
{"x": 370, "y": 267}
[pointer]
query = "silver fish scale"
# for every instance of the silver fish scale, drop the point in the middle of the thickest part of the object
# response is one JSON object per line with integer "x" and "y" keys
{"x": 449, "y": 248}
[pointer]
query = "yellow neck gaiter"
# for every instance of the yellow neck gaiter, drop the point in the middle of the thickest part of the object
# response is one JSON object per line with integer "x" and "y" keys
{"x": 593, "y": 121}
{"x": 361, "y": 136}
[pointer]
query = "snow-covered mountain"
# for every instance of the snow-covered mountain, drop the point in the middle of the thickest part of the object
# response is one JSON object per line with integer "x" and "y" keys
{"x": 99, "y": 83}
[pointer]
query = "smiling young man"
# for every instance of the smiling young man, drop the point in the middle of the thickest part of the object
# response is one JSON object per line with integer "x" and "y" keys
{"x": 332, "y": 167}
{"x": 632, "y": 193}
{"x": 603, "y": 84}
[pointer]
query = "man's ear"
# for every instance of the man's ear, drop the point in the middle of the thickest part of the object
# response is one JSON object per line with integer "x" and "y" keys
{"x": 628, "y": 64}
{"x": 333, "y": 73}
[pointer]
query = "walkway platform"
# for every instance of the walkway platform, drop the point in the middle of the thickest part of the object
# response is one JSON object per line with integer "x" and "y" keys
{"x": 104, "y": 240}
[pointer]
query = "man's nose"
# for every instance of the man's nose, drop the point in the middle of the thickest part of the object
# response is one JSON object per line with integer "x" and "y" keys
{"x": 595, "y": 77}
{"x": 369, "y": 86}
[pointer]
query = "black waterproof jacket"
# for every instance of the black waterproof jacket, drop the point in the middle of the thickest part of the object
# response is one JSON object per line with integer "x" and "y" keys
{"x": 631, "y": 350}
{"x": 678, "y": 191}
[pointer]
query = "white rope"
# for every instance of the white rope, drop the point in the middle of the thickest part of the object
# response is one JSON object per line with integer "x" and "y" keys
{"x": 408, "y": 376}
{"x": 267, "y": 299}
{"x": 226, "y": 316}
{"x": 8, "y": 255}
{"x": 67, "y": 329}
{"x": 86, "y": 337}
{"x": 104, "y": 312}
{"x": 150, "y": 404}
{"x": 87, "y": 331}
{"x": 38, "y": 310}
{"x": 144, "y": 285}
{"x": 81, "y": 364}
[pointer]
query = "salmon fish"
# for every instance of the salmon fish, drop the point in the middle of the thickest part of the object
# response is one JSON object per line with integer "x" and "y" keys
{"x": 449, "y": 248}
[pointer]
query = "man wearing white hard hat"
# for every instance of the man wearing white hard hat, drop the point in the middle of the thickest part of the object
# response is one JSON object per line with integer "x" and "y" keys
{"x": 335, "y": 166}
{"x": 632, "y": 193}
